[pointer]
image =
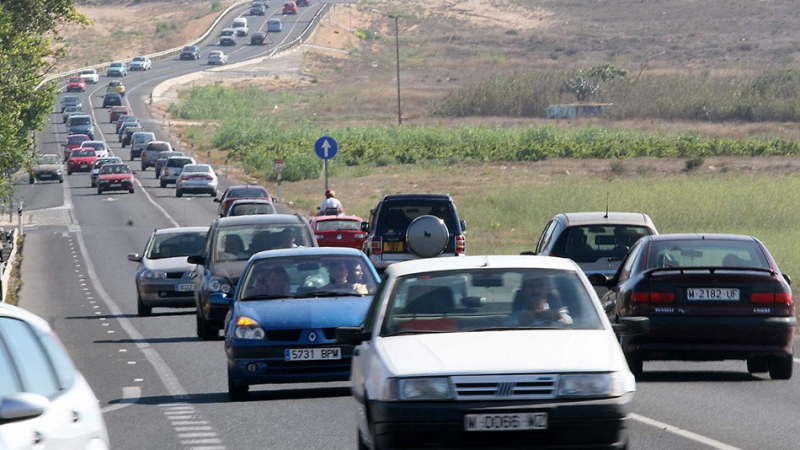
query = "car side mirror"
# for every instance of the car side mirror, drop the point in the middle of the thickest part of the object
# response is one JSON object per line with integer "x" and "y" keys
{"x": 598, "y": 279}
{"x": 196, "y": 259}
{"x": 631, "y": 326}
{"x": 216, "y": 200}
{"x": 527, "y": 253}
{"x": 365, "y": 226}
{"x": 135, "y": 257}
{"x": 351, "y": 335}
{"x": 22, "y": 406}
{"x": 463, "y": 225}
{"x": 787, "y": 278}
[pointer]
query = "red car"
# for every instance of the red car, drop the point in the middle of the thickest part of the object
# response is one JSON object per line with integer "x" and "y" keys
{"x": 115, "y": 177}
{"x": 234, "y": 193}
{"x": 339, "y": 231}
{"x": 117, "y": 111}
{"x": 74, "y": 142}
{"x": 290, "y": 8}
{"x": 81, "y": 160}
{"x": 76, "y": 84}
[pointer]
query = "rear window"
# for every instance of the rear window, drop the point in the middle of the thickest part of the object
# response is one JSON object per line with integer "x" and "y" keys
{"x": 592, "y": 242}
{"x": 399, "y": 214}
{"x": 248, "y": 192}
{"x": 83, "y": 153}
{"x": 239, "y": 243}
{"x": 248, "y": 209}
{"x": 204, "y": 168}
{"x": 178, "y": 162}
{"x": 76, "y": 140}
{"x": 706, "y": 253}
{"x": 79, "y": 121}
{"x": 336, "y": 225}
{"x": 159, "y": 147}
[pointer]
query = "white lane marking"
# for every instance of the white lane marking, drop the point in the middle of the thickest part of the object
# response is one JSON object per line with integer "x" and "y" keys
{"x": 158, "y": 207}
{"x": 201, "y": 441}
{"x": 797, "y": 360}
{"x": 684, "y": 433}
{"x": 130, "y": 395}
{"x": 187, "y": 429}
{"x": 196, "y": 435}
{"x": 190, "y": 422}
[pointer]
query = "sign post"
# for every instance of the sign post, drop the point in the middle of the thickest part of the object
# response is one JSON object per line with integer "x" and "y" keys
{"x": 326, "y": 148}
{"x": 279, "y": 169}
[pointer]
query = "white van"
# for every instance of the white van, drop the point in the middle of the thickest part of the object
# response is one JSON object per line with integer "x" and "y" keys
{"x": 240, "y": 25}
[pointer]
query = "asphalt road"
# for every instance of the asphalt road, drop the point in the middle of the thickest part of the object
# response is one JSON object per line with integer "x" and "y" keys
{"x": 163, "y": 388}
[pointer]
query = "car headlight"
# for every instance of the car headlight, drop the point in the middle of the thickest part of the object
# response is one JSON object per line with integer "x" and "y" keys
{"x": 220, "y": 285}
{"x": 591, "y": 385}
{"x": 153, "y": 274}
{"x": 247, "y": 328}
{"x": 424, "y": 389}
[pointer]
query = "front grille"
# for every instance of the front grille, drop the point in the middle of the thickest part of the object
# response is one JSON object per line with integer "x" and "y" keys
{"x": 283, "y": 335}
{"x": 175, "y": 274}
{"x": 506, "y": 387}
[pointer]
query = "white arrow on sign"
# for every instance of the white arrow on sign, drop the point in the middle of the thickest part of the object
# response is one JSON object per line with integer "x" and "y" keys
{"x": 326, "y": 146}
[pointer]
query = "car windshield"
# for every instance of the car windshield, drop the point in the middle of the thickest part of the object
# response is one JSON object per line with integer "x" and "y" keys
{"x": 247, "y": 192}
{"x": 590, "y": 243}
{"x": 75, "y": 80}
{"x": 99, "y": 163}
{"x": 83, "y": 153}
{"x": 248, "y": 209}
{"x": 115, "y": 168}
{"x": 189, "y": 49}
{"x": 399, "y": 214}
{"x": 87, "y": 72}
{"x": 94, "y": 145}
{"x": 489, "y": 300}
{"x": 239, "y": 243}
{"x": 48, "y": 159}
{"x": 116, "y": 64}
{"x": 197, "y": 168}
{"x": 138, "y": 58}
{"x": 337, "y": 225}
{"x": 174, "y": 245}
{"x": 75, "y": 140}
{"x": 80, "y": 121}
{"x": 706, "y": 253}
{"x": 307, "y": 276}
{"x": 73, "y": 109}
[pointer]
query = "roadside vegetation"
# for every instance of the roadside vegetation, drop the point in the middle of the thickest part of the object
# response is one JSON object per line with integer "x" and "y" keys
{"x": 15, "y": 280}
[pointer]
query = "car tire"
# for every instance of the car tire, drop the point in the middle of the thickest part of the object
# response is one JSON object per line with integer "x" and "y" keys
{"x": 157, "y": 171}
{"x": 178, "y": 193}
{"x": 131, "y": 191}
{"x": 361, "y": 444}
{"x": 61, "y": 180}
{"x": 427, "y": 236}
{"x": 237, "y": 393}
{"x": 757, "y": 365}
{"x": 99, "y": 191}
{"x": 635, "y": 364}
{"x": 141, "y": 309}
{"x": 205, "y": 331}
{"x": 780, "y": 367}
{"x": 31, "y": 180}
{"x": 94, "y": 184}
{"x": 163, "y": 183}
{"x": 69, "y": 172}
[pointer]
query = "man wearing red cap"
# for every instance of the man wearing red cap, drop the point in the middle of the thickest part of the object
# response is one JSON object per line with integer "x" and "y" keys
{"x": 331, "y": 205}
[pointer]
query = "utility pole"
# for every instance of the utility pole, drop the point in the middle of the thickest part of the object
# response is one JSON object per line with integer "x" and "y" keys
{"x": 397, "y": 46}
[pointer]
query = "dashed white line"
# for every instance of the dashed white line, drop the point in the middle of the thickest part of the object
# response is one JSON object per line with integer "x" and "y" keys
{"x": 130, "y": 395}
{"x": 684, "y": 433}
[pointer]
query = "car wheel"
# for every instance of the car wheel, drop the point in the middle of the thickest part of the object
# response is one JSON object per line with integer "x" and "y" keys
{"x": 157, "y": 172}
{"x": 69, "y": 172}
{"x": 131, "y": 191}
{"x": 757, "y": 365}
{"x": 31, "y": 180}
{"x": 99, "y": 191}
{"x": 178, "y": 193}
{"x": 94, "y": 184}
{"x": 163, "y": 183}
{"x": 636, "y": 364}
{"x": 205, "y": 331}
{"x": 61, "y": 180}
{"x": 237, "y": 393}
{"x": 780, "y": 367}
{"x": 361, "y": 444}
{"x": 141, "y": 309}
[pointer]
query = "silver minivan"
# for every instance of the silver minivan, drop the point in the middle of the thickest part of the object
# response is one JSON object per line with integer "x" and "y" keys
{"x": 151, "y": 151}
{"x": 139, "y": 141}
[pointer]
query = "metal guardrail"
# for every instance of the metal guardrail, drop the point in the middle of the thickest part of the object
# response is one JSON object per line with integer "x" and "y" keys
{"x": 154, "y": 56}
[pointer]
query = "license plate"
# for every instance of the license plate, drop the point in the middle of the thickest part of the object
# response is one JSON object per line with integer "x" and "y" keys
{"x": 313, "y": 354}
{"x": 113, "y": 185}
{"x": 725, "y": 294}
{"x": 393, "y": 246}
{"x": 186, "y": 287}
{"x": 505, "y": 422}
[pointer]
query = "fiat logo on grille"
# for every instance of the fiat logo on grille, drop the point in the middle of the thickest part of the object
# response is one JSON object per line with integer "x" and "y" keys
{"x": 312, "y": 336}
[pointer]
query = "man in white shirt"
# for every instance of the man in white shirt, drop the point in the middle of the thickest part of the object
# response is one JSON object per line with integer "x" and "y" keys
{"x": 330, "y": 204}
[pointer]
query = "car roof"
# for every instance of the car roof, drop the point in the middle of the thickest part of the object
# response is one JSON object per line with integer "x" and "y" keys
{"x": 324, "y": 218}
{"x": 391, "y": 197}
{"x": 251, "y": 201}
{"x": 599, "y": 218}
{"x": 701, "y": 236}
{"x": 176, "y": 230}
{"x": 258, "y": 219}
{"x": 114, "y": 94}
{"x": 428, "y": 265}
{"x": 306, "y": 251}
{"x": 245, "y": 186}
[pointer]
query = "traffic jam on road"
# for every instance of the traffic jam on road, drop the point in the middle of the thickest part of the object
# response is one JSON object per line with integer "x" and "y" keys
{"x": 541, "y": 349}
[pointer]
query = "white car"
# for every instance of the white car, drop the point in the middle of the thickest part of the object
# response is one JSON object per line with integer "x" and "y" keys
{"x": 141, "y": 63}
{"x": 217, "y": 57}
{"x": 197, "y": 179}
{"x": 99, "y": 147}
{"x": 43, "y": 397}
{"x": 90, "y": 75}
{"x": 458, "y": 351}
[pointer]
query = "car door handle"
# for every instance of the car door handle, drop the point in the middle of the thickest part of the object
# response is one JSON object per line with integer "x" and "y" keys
{"x": 76, "y": 417}
{"x": 38, "y": 437}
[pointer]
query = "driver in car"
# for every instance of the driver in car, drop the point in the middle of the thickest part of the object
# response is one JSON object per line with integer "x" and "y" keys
{"x": 535, "y": 310}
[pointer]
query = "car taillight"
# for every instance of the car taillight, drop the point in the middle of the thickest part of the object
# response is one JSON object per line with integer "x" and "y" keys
{"x": 461, "y": 244}
{"x": 185, "y": 177}
{"x": 771, "y": 297}
{"x": 376, "y": 245}
{"x": 652, "y": 297}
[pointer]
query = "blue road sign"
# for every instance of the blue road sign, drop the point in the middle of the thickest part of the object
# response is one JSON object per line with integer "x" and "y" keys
{"x": 326, "y": 147}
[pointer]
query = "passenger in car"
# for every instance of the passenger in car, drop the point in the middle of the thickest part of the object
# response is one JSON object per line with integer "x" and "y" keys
{"x": 288, "y": 238}
{"x": 233, "y": 248}
{"x": 536, "y": 310}
{"x": 272, "y": 282}
{"x": 338, "y": 275}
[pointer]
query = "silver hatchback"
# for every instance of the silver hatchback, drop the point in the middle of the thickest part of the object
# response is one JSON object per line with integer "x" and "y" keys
{"x": 165, "y": 278}
{"x": 196, "y": 179}
{"x": 173, "y": 168}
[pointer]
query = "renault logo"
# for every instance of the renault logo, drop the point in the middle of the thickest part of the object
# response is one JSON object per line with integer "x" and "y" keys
{"x": 312, "y": 336}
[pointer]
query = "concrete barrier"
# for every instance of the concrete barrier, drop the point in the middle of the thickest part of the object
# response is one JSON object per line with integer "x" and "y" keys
{"x": 7, "y": 267}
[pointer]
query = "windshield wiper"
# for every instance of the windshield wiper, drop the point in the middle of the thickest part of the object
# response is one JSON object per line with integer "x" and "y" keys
{"x": 334, "y": 294}
{"x": 404, "y": 332}
{"x": 264, "y": 297}
{"x": 521, "y": 327}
